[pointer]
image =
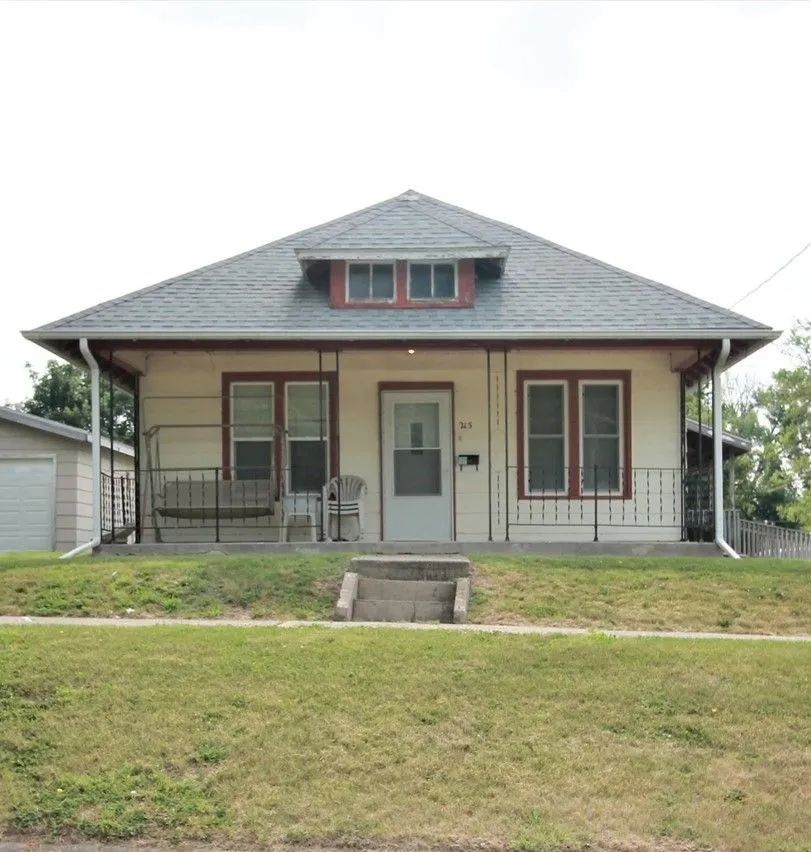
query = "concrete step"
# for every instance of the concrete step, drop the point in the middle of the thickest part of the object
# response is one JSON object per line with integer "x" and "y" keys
{"x": 411, "y": 566}
{"x": 382, "y": 610}
{"x": 370, "y": 588}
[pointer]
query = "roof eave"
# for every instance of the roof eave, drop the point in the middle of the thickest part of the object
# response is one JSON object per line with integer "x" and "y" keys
{"x": 760, "y": 337}
{"x": 405, "y": 253}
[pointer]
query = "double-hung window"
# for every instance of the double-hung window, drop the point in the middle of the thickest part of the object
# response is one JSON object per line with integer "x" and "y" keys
{"x": 546, "y": 428}
{"x": 601, "y": 435}
{"x": 307, "y": 429}
{"x": 432, "y": 281}
{"x": 370, "y": 282}
{"x": 252, "y": 430}
{"x": 574, "y": 433}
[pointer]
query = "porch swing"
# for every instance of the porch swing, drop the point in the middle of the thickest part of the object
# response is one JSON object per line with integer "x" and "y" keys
{"x": 209, "y": 495}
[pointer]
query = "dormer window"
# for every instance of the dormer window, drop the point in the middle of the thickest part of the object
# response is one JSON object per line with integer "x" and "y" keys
{"x": 432, "y": 281}
{"x": 370, "y": 282}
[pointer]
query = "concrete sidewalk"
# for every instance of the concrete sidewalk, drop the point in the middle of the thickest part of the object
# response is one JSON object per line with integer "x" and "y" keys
{"x": 519, "y": 629}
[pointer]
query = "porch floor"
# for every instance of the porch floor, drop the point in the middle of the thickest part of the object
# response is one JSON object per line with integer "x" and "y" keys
{"x": 560, "y": 548}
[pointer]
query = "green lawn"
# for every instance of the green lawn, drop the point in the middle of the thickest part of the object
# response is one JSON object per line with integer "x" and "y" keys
{"x": 754, "y": 595}
{"x": 725, "y": 595}
{"x": 301, "y": 735}
{"x": 287, "y": 586}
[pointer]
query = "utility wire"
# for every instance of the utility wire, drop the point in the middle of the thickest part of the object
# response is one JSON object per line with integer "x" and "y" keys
{"x": 773, "y": 275}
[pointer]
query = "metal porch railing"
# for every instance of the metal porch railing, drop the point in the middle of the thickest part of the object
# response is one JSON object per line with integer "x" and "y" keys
{"x": 601, "y": 497}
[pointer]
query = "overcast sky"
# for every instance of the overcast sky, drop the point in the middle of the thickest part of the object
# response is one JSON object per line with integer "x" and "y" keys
{"x": 140, "y": 141}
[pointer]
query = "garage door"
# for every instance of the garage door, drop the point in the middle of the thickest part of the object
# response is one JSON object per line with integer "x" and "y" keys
{"x": 26, "y": 504}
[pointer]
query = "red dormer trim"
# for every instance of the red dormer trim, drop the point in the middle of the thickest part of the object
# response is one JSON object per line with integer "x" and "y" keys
{"x": 465, "y": 285}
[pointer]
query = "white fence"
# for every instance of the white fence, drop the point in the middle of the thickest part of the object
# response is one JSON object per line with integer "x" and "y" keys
{"x": 755, "y": 538}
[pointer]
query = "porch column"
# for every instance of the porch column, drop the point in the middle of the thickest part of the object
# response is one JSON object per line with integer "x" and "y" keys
{"x": 683, "y": 448}
{"x": 717, "y": 451}
{"x": 95, "y": 431}
{"x": 136, "y": 423}
{"x": 489, "y": 453}
{"x": 506, "y": 450}
{"x": 321, "y": 441}
{"x": 112, "y": 449}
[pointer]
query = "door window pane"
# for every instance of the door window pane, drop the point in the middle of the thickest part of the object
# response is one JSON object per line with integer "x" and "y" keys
{"x": 416, "y": 425}
{"x": 417, "y": 473}
{"x": 252, "y": 411}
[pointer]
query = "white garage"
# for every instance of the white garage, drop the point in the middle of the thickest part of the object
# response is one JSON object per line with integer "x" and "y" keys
{"x": 46, "y": 500}
{"x": 27, "y": 503}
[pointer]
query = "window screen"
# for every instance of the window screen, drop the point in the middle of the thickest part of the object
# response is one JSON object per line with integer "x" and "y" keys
{"x": 252, "y": 431}
{"x": 307, "y": 435}
{"x": 546, "y": 437}
{"x": 601, "y": 428}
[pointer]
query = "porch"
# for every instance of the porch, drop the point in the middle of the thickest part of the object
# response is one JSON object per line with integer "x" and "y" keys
{"x": 471, "y": 445}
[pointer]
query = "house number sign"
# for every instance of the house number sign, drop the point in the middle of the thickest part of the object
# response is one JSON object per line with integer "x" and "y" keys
{"x": 465, "y": 424}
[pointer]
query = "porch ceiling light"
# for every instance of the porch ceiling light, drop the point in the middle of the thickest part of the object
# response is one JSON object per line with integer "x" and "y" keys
{"x": 410, "y": 351}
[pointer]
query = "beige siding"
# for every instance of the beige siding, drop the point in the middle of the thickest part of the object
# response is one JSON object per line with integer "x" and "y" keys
{"x": 74, "y": 494}
{"x": 655, "y": 424}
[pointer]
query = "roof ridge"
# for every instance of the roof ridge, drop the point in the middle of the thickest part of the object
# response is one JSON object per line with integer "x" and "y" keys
{"x": 686, "y": 297}
{"x": 381, "y": 208}
{"x": 457, "y": 228}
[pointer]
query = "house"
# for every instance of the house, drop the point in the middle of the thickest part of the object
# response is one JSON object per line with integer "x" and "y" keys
{"x": 484, "y": 383}
{"x": 699, "y": 445}
{"x": 46, "y": 483}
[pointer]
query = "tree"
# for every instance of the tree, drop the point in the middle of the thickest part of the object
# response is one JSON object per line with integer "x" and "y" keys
{"x": 62, "y": 393}
{"x": 786, "y": 407}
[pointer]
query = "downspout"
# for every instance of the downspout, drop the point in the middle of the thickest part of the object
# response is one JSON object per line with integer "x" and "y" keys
{"x": 95, "y": 421}
{"x": 717, "y": 452}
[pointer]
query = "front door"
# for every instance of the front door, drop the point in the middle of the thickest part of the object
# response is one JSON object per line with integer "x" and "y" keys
{"x": 417, "y": 466}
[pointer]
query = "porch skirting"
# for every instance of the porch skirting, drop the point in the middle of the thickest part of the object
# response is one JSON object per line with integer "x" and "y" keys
{"x": 549, "y": 548}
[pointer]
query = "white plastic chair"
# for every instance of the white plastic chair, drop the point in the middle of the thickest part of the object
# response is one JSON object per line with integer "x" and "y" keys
{"x": 344, "y": 508}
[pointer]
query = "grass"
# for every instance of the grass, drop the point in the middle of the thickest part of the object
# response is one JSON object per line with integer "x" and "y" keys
{"x": 308, "y": 735}
{"x": 745, "y": 596}
{"x": 209, "y": 586}
{"x": 753, "y": 595}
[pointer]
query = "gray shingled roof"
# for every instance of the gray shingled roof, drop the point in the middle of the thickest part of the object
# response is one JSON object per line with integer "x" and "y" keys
{"x": 546, "y": 291}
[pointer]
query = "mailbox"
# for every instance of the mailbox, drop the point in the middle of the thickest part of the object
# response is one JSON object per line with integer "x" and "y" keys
{"x": 467, "y": 460}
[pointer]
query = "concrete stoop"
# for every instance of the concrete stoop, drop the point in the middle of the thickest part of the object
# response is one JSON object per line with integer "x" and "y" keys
{"x": 405, "y": 588}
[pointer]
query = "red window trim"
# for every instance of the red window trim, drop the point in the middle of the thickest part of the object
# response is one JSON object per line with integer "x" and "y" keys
{"x": 465, "y": 288}
{"x": 572, "y": 379}
{"x": 279, "y": 379}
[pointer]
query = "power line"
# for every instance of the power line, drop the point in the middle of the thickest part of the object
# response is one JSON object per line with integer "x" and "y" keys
{"x": 773, "y": 275}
